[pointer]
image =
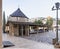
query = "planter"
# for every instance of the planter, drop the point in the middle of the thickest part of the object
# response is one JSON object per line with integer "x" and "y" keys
{"x": 57, "y": 45}
{"x": 54, "y": 41}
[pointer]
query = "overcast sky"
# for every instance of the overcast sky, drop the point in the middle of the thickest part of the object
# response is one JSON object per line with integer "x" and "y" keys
{"x": 31, "y": 8}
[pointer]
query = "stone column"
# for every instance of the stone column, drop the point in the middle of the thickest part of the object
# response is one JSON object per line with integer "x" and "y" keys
{"x": 21, "y": 30}
{"x": 43, "y": 29}
{"x": 16, "y": 30}
{"x": 1, "y": 24}
{"x": 27, "y": 30}
{"x": 11, "y": 29}
{"x": 37, "y": 29}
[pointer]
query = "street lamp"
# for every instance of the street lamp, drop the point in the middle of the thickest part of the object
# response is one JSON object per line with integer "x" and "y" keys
{"x": 57, "y": 8}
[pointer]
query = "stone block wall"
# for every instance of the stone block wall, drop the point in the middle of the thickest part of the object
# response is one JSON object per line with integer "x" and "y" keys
{"x": 16, "y": 30}
{"x": 19, "y": 19}
{"x": 1, "y": 24}
{"x": 11, "y": 29}
{"x": 27, "y": 30}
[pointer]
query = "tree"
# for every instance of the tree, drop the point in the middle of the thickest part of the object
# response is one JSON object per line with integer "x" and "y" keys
{"x": 38, "y": 22}
{"x": 4, "y": 22}
{"x": 49, "y": 22}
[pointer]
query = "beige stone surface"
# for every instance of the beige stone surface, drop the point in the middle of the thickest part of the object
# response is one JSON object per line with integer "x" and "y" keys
{"x": 21, "y": 43}
{"x": 0, "y": 23}
{"x": 11, "y": 29}
{"x": 19, "y": 19}
{"x": 27, "y": 30}
{"x": 16, "y": 30}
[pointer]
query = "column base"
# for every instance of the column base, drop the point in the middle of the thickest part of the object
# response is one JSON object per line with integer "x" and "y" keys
{"x": 54, "y": 41}
{"x": 57, "y": 45}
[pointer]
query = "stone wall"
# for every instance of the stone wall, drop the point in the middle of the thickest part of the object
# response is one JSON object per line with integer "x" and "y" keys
{"x": 11, "y": 29}
{"x": 27, "y": 30}
{"x": 16, "y": 30}
{"x": 20, "y": 19}
{"x": 1, "y": 24}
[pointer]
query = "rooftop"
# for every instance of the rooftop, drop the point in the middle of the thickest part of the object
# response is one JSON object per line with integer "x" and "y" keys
{"x": 18, "y": 13}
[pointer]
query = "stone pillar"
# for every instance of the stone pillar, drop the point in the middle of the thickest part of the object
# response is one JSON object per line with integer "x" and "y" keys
{"x": 11, "y": 29}
{"x": 1, "y": 24}
{"x": 37, "y": 29}
{"x": 16, "y": 30}
{"x": 27, "y": 30}
{"x": 21, "y": 30}
{"x": 43, "y": 29}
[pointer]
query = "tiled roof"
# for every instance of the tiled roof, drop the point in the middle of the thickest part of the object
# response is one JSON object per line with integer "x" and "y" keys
{"x": 18, "y": 13}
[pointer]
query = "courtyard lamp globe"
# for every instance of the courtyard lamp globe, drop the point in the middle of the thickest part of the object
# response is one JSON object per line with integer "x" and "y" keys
{"x": 57, "y": 5}
{"x": 57, "y": 8}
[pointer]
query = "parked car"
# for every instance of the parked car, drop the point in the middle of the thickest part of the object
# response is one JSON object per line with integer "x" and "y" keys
{"x": 41, "y": 30}
{"x": 32, "y": 31}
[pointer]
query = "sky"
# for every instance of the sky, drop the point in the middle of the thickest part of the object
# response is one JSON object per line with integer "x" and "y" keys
{"x": 31, "y": 8}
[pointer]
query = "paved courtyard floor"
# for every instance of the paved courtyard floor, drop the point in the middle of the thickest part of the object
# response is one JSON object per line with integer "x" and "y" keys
{"x": 34, "y": 41}
{"x": 45, "y": 37}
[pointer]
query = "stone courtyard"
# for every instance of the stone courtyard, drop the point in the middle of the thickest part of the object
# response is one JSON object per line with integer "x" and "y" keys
{"x": 34, "y": 41}
{"x": 45, "y": 37}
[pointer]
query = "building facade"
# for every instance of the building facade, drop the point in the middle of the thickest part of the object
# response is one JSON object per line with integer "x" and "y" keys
{"x": 18, "y": 23}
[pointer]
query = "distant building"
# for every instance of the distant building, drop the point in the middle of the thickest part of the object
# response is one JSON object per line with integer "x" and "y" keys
{"x": 38, "y": 18}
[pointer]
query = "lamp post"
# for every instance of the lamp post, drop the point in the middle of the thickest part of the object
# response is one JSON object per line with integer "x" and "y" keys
{"x": 57, "y": 8}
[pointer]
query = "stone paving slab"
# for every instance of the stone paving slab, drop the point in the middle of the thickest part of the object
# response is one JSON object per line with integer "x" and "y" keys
{"x": 41, "y": 37}
{"x": 7, "y": 44}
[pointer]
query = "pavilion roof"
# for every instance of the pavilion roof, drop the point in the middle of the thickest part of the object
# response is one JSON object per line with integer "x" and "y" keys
{"x": 18, "y": 13}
